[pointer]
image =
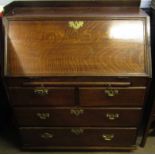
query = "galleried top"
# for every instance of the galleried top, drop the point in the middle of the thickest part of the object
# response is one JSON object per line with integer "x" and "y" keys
{"x": 70, "y": 3}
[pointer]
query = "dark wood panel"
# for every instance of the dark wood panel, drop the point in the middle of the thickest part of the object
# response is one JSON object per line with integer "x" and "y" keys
{"x": 70, "y": 4}
{"x": 153, "y": 108}
{"x": 64, "y": 80}
{"x": 59, "y": 48}
{"x": 80, "y": 148}
{"x": 46, "y": 116}
{"x": 78, "y": 136}
{"x": 53, "y": 96}
{"x": 112, "y": 96}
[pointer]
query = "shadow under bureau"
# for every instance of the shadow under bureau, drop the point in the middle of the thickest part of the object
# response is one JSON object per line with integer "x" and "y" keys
{"x": 77, "y": 74}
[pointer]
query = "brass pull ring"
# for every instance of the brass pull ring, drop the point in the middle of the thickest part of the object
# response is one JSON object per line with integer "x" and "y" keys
{"x": 112, "y": 116}
{"x": 76, "y": 24}
{"x": 47, "y": 135}
{"x": 43, "y": 116}
{"x": 41, "y": 91}
{"x": 108, "y": 137}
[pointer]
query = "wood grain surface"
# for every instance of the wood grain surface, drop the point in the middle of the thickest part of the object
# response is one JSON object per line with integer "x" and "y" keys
{"x": 90, "y": 137}
{"x": 45, "y": 48}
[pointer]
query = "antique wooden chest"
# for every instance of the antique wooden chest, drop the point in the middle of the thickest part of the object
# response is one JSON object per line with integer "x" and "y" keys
{"x": 77, "y": 73}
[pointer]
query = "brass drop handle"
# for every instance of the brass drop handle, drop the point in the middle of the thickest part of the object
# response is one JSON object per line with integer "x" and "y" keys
{"x": 41, "y": 91}
{"x": 76, "y": 24}
{"x": 108, "y": 137}
{"x": 76, "y": 112}
{"x": 47, "y": 135}
{"x": 111, "y": 92}
{"x": 112, "y": 116}
{"x": 77, "y": 131}
{"x": 42, "y": 115}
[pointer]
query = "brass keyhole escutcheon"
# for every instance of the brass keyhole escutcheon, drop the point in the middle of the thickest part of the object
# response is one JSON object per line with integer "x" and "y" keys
{"x": 76, "y": 24}
{"x": 77, "y": 131}
{"x": 108, "y": 137}
{"x": 111, "y": 92}
{"x": 76, "y": 112}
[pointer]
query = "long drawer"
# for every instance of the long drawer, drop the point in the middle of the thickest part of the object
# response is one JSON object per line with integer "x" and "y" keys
{"x": 78, "y": 116}
{"x": 53, "y": 96}
{"x": 78, "y": 136}
{"x": 95, "y": 96}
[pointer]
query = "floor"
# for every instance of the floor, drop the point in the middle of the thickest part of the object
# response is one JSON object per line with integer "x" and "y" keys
{"x": 8, "y": 144}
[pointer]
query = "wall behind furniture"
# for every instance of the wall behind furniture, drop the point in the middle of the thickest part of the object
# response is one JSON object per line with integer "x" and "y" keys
{"x": 144, "y": 3}
{"x": 4, "y": 2}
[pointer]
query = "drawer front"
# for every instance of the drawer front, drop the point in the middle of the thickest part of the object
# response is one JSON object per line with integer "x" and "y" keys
{"x": 112, "y": 96}
{"x": 78, "y": 136}
{"x": 78, "y": 116}
{"x": 42, "y": 96}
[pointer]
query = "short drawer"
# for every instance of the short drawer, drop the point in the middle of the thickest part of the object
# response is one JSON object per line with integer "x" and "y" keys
{"x": 78, "y": 116}
{"x": 112, "y": 96}
{"x": 53, "y": 96}
{"x": 78, "y": 136}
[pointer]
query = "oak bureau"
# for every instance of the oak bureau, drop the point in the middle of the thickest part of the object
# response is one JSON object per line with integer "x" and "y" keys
{"x": 77, "y": 74}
